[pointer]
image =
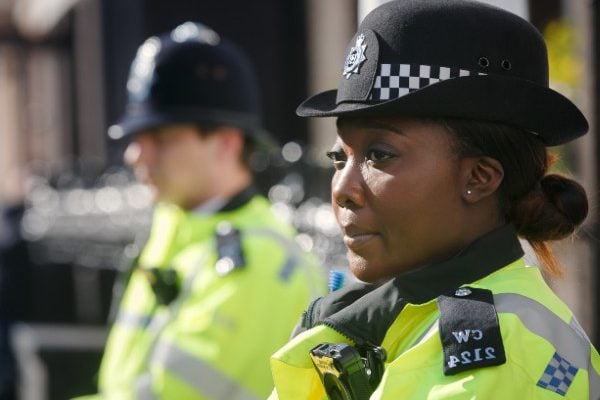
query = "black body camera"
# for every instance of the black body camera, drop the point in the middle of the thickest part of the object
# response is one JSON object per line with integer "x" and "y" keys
{"x": 348, "y": 373}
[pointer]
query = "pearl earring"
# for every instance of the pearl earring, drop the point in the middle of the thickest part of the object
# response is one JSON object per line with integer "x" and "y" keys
{"x": 469, "y": 191}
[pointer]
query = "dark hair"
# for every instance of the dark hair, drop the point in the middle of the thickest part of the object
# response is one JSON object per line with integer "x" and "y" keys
{"x": 249, "y": 142}
{"x": 541, "y": 207}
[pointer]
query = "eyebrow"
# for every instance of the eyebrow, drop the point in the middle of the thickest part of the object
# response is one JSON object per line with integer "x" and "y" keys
{"x": 368, "y": 123}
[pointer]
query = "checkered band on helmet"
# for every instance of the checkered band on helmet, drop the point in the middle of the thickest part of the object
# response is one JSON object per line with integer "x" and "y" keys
{"x": 396, "y": 80}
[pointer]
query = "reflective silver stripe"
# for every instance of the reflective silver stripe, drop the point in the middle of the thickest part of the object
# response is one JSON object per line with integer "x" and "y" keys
{"x": 153, "y": 323}
{"x": 294, "y": 251}
{"x": 567, "y": 339}
{"x": 207, "y": 380}
{"x": 131, "y": 320}
{"x": 543, "y": 322}
{"x": 575, "y": 325}
{"x": 158, "y": 323}
{"x": 295, "y": 257}
{"x": 593, "y": 374}
{"x": 594, "y": 383}
{"x": 427, "y": 333}
{"x": 143, "y": 388}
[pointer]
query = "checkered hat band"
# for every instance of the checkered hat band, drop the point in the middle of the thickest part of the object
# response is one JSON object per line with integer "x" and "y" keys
{"x": 558, "y": 375}
{"x": 396, "y": 80}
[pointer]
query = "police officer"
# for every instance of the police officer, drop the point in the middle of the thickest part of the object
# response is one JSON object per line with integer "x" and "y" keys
{"x": 441, "y": 163}
{"x": 215, "y": 290}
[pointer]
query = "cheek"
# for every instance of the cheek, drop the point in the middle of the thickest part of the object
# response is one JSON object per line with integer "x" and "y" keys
{"x": 178, "y": 164}
{"x": 382, "y": 185}
{"x": 415, "y": 199}
{"x": 392, "y": 190}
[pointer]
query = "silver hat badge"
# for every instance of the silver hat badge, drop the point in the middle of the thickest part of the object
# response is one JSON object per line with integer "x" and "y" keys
{"x": 356, "y": 57}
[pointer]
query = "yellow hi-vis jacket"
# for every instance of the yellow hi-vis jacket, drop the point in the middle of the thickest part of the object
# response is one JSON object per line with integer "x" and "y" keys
{"x": 531, "y": 346}
{"x": 237, "y": 302}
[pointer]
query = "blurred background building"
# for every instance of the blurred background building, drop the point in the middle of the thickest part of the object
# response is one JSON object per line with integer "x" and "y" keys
{"x": 72, "y": 217}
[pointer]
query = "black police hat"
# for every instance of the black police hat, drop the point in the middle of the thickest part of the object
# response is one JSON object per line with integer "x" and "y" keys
{"x": 450, "y": 58}
{"x": 191, "y": 75}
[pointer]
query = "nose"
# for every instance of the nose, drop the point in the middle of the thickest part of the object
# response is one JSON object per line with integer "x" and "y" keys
{"x": 347, "y": 190}
{"x": 139, "y": 151}
{"x": 132, "y": 153}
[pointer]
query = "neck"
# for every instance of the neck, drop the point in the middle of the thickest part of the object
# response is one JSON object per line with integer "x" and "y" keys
{"x": 234, "y": 183}
{"x": 484, "y": 218}
{"x": 224, "y": 187}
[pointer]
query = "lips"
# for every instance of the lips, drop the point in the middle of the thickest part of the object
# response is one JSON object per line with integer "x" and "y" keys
{"x": 356, "y": 237}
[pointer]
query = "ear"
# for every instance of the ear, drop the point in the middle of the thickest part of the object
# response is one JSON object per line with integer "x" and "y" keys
{"x": 231, "y": 142}
{"x": 483, "y": 176}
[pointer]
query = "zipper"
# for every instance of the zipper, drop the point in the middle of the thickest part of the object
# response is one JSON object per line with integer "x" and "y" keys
{"x": 308, "y": 323}
{"x": 307, "y": 315}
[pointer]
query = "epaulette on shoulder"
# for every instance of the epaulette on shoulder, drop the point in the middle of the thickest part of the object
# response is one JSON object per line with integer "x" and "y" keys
{"x": 230, "y": 254}
{"x": 469, "y": 330}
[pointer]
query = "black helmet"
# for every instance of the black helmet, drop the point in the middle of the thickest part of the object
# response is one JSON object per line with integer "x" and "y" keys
{"x": 191, "y": 75}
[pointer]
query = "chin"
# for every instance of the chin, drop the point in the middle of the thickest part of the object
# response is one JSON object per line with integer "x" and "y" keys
{"x": 362, "y": 269}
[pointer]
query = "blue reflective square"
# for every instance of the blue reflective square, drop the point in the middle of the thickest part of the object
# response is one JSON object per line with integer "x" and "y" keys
{"x": 558, "y": 375}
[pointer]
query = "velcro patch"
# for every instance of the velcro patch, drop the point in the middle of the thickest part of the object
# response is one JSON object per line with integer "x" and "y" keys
{"x": 469, "y": 330}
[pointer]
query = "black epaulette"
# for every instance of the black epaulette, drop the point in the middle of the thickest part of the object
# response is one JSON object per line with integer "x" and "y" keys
{"x": 229, "y": 249}
{"x": 469, "y": 330}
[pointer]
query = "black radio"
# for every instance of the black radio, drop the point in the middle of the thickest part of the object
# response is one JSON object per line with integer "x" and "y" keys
{"x": 348, "y": 373}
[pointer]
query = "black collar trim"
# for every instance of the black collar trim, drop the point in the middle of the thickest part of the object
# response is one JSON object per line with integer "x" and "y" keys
{"x": 240, "y": 199}
{"x": 488, "y": 253}
{"x": 372, "y": 314}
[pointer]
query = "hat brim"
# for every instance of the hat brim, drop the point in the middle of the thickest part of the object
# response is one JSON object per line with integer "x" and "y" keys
{"x": 491, "y": 98}
{"x": 131, "y": 124}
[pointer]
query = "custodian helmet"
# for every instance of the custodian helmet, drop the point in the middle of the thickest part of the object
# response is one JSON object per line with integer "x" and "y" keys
{"x": 191, "y": 75}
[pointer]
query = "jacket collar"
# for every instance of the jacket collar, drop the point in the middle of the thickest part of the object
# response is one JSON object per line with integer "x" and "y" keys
{"x": 240, "y": 199}
{"x": 219, "y": 204}
{"x": 485, "y": 255}
{"x": 372, "y": 314}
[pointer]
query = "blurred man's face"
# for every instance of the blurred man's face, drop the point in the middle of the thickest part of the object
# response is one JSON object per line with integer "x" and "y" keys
{"x": 178, "y": 164}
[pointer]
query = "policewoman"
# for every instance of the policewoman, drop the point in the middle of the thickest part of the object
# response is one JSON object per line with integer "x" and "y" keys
{"x": 215, "y": 290}
{"x": 444, "y": 115}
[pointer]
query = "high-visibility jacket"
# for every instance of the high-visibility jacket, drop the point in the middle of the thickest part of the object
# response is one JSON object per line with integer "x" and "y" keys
{"x": 539, "y": 351}
{"x": 240, "y": 283}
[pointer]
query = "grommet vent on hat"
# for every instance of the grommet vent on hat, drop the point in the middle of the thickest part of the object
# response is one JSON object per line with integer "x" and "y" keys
{"x": 483, "y": 62}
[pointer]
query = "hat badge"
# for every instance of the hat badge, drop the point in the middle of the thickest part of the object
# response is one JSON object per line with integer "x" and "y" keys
{"x": 355, "y": 57}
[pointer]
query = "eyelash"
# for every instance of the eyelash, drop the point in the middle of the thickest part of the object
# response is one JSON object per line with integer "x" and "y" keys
{"x": 337, "y": 157}
{"x": 384, "y": 155}
{"x": 373, "y": 156}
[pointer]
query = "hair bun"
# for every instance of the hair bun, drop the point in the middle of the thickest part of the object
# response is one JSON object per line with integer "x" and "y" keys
{"x": 567, "y": 196}
{"x": 551, "y": 212}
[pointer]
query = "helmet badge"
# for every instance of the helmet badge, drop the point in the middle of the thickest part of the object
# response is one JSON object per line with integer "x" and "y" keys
{"x": 355, "y": 57}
